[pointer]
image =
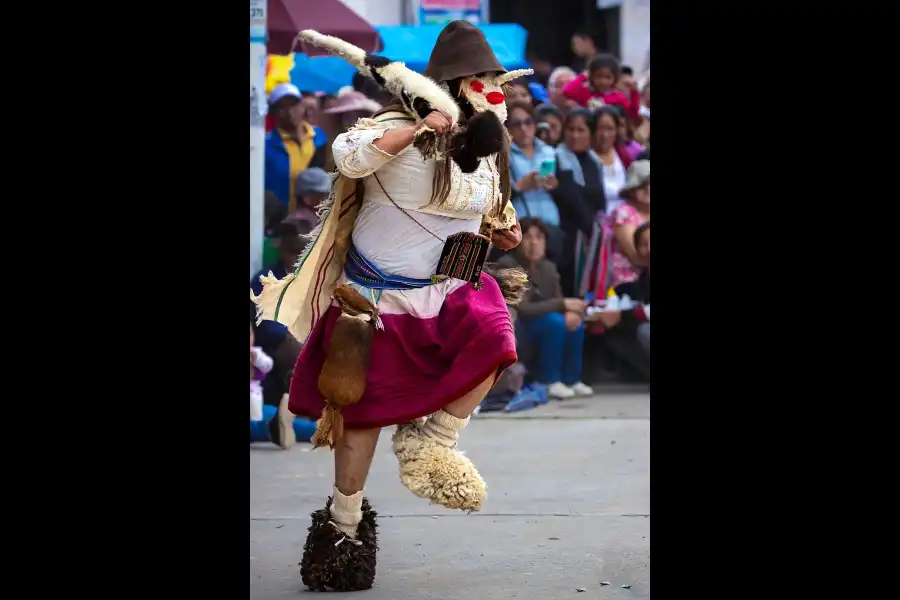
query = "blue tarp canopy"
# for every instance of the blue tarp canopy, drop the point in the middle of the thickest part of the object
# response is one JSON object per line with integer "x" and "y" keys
{"x": 411, "y": 45}
{"x": 321, "y": 74}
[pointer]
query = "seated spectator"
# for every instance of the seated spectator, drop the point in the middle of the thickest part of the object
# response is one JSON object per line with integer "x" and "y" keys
{"x": 625, "y": 142}
{"x": 264, "y": 421}
{"x": 558, "y": 80}
{"x": 313, "y": 186}
{"x": 645, "y": 154}
{"x": 580, "y": 197}
{"x": 639, "y": 290}
{"x": 528, "y": 158}
{"x": 549, "y": 124}
{"x": 349, "y": 107}
{"x": 274, "y": 213}
{"x": 519, "y": 92}
{"x": 615, "y": 161}
{"x": 269, "y": 428}
{"x": 645, "y": 98}
{"x": 542, "y": 67}
{"x": 312, "y": 107}
{"x": 625, "y": 262}
{"x": 327, "y": 101}
{"x": 260, "y": 364}
{"x": 276, "y": 341}
{"x": 293, "y": 145}
{"x": 628, "y": 331}
{"x": 546, "y": 319}
{"x": 626, "y": 81}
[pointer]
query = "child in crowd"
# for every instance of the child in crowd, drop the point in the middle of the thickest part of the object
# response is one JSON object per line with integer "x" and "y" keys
{"x": 260, "y": 364}
{"x": 597, "y": 87}
{"x": 268, "y": 423}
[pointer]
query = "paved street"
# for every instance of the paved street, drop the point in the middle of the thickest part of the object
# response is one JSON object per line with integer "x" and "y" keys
{"x": 568, "y": 507}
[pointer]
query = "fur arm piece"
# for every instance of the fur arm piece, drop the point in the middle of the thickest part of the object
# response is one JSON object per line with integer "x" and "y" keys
{"x": 483, "y": 136}
{"x": 352, "y": 54}
{"x": 418, "y": 93}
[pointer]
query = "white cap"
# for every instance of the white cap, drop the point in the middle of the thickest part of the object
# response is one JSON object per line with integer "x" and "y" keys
{"x": 284, "y": 90}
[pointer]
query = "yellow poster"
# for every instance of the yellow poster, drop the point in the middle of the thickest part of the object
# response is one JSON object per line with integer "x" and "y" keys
{"x": 278, "y": 70}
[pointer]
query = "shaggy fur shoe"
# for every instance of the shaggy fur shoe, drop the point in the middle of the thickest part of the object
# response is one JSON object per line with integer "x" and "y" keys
{"x": 440, "y": 474}
{"x": 335, "y": 562}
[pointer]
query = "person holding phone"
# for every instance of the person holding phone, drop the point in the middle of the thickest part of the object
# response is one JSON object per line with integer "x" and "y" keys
{"x": 532, "y": 165}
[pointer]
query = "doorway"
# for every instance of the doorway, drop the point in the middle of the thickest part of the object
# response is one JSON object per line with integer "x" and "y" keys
{"x": 550, "y": 25}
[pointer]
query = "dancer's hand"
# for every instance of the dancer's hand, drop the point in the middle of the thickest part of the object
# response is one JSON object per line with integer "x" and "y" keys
{"x": 573, "y": 321}
{"x": 507, "y": 239}
{"x": 439, "y": 121}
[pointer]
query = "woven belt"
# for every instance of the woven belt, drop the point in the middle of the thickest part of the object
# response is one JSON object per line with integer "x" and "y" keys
{"x": 360, "y": 271}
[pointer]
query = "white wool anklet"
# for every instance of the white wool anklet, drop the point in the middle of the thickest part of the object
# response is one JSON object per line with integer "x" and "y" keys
{"x": 346, "y": 512}
{"x": 443, "y": 428}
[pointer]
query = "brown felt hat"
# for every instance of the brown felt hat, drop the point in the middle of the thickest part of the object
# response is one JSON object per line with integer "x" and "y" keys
{"x": 461, "y": 51}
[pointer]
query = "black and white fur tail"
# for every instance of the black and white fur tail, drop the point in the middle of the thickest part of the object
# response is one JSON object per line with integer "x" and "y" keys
{"x": 417, "y": 93}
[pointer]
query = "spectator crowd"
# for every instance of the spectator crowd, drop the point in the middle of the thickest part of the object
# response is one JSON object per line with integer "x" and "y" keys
{"x": 580, "y": 173}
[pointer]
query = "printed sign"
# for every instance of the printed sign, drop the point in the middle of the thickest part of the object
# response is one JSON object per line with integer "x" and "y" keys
{"x": 441, "y": 12}
{"x": 258, "y": 21}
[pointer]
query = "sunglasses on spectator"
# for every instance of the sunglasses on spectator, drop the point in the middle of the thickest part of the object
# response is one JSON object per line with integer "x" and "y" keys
{"x": 519, "y": 122}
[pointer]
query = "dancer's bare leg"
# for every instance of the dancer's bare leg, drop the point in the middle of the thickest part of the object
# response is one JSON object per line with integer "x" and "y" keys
{"x": 463, "y": 407}
{"x": 352, "y": 460}
{"x": 430, "y": 467}
{"x": 339, "y": 553}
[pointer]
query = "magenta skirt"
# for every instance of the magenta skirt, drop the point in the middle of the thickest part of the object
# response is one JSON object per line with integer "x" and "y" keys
{"x": 417, "y": 365}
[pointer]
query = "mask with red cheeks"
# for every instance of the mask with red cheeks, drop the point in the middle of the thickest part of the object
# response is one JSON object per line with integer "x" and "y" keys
{"x": 483, "y": 94}
{"x": 486, "y": 92}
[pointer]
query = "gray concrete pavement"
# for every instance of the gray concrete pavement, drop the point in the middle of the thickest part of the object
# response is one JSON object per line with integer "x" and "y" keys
{"x": 568, "y": 507}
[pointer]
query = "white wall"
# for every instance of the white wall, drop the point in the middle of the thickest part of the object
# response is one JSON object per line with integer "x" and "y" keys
{"x": 378, "y": 12}
{"x": 634, "y": 33}
{"x": 257, "y": 134}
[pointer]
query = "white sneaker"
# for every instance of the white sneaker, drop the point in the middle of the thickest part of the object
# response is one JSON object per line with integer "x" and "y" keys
{"x": 582, "y": 389}
{"x": 559, "y": 390}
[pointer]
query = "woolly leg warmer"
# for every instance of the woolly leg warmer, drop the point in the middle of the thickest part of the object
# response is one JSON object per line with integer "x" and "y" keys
{"x": 431, "y": 467}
